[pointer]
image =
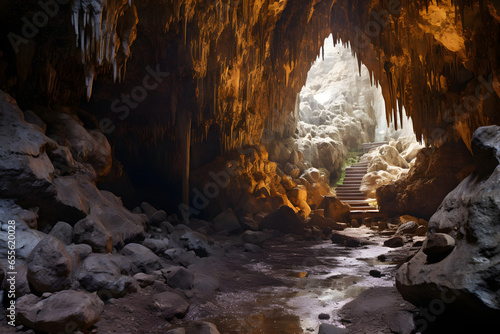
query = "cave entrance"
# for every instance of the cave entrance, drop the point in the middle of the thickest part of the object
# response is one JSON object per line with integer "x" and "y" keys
{"x": 339, "y": 117}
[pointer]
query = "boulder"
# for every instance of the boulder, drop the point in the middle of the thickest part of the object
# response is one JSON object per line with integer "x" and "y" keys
{"x": 179, "y": 278}
{"x": 141, "y": 258}
{"x": 107, "y": 274}
{"x": 292, "y": 170}
{"x": 158, "y": 246}
{"x": 284, "y": 220}
{"x": 26, "y": 237}
{"x": 407, "y": 228}
{"x": 60, "y": 312}
{"x": 148, "y": 209}
{"x": 196, "y": 242}
{"x": 394, "y": 242}
{"x": 157, "y": 218}
{"x": 227, "y": 221}
{"x": 322, "y": 222}
{"x": 335, "y": 209}
{"x": 92, "y": 232}
{"x": 170, "y": 305}
{"x": 144, "y": 280}
{"x": 81, "y": 194}
{"x": 436, "y": 172}
{"x": 62, "y": 231}
{"x": 463, "y": 234}
{"x": 49, "y": 266}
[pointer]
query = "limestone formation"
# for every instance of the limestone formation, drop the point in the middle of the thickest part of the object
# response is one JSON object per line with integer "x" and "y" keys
{"x": 459, "y": 260}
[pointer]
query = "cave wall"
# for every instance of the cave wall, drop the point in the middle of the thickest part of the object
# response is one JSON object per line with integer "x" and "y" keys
{"x": 154, "y": 72}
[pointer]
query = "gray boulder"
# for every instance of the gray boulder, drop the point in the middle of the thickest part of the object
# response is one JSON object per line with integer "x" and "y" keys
{"x": 407, "y": 228}
{"x": 49, "y": 266}
{"x": 60, "y": 312}
{"x": 62, "y": 231}
{"x": 464, "y": 233}
{"x": 107, "y": 274}
{"x": 170, "y": 305}
{"x": 179, "y": 277}
{"x": 92, "y": 232}
{"x": 142, "y": 258}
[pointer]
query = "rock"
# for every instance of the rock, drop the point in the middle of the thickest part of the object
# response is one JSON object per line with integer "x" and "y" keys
{"x": 435, "y": 173}
{"x": 421, "y": 230}
{"x": 157, "y": 218}
{"x": 60, "y": 312}
{"x": 227, "y": 221}
{"x": 62, "y": 231}
{"x": 335, "y": 209}
{"x": 394, "y": 242}
{"x": 144, "y": 280}
{"x": 80, "y": 194}
{"x": 375, "y": 273}
{"x": 292, "y": 170}
{"x": 25, "y": 169}
{"x": 49, "y": 266}
{"x": 344, "y": 240}
{"x": 251, "y": 248}
{"x": 438, "y": 246}
{"x": 31, "y": 117}
{"x": 255, "y": 237}
{"x": 78, "y": 253}
{"x": 287, "y": 182}
{"x": 26, "y": 240}
{"x": 173, "y": 253}
{"x": 407, "y": 228}
{"x": 331, "y": 329}
{"x": 284, "y": 220}
{"x": 197, "y": 242}
{"x": 177, "y": 331}
{"x": 92, "y": 232}
{"x": 156, "y": 245}
{"x": 463, "y": 279}
{"x": 324, "y": 316}
{"x": 142, "y": 258}
{"x": 379, "y": 310}
{"x": 297, "y": 195}
{"x": 170, "y": 305}
{"x": 354, "y": 223}
{"x": 22, "y": 285}
{"x": 148, "y": 209}
{"x": 205, "y": 284}
{"x": 179, "y": 278}
{"x": 322, "y": 222}
{"x": 105, "y": 273}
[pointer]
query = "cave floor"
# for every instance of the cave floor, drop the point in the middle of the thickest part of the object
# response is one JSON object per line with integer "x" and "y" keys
{"x": 281, "y": 290}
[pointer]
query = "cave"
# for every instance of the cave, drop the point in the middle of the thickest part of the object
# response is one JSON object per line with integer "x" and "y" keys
{"x": 249, "y": 166}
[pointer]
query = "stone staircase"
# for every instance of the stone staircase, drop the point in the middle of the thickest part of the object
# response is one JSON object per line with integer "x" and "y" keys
{"x": 348, "y": 192}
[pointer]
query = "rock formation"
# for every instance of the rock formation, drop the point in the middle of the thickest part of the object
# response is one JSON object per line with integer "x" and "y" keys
{"x": 458, "y": 266}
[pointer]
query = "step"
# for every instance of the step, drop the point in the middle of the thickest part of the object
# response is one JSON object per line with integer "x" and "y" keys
{"x": 352, "y": 197}
{"x": 354, "y": 188}
{"x": 349, "y": 193}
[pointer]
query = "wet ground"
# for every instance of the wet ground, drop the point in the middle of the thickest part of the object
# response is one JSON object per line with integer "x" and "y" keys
{"x": 286, "y": 288}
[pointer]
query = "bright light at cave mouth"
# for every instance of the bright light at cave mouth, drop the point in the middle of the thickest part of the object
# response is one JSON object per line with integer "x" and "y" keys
{"x": 337, "y": 103}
